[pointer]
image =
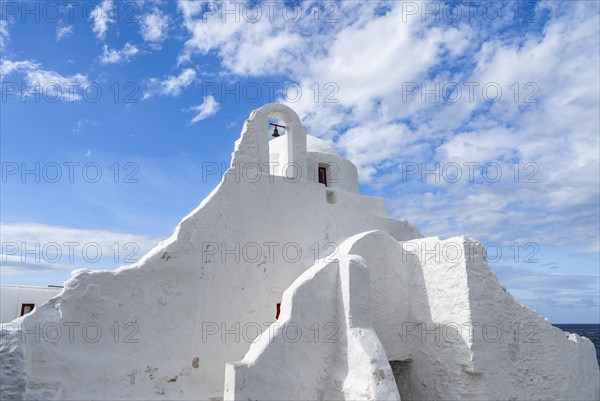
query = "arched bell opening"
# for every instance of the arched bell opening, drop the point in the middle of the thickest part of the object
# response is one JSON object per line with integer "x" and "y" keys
{"x": 253, "y": 147}
{"x": 275, "y": 132}
{"x": 283, "y": 125}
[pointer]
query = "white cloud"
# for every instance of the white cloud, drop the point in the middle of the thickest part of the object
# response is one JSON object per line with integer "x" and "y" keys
{"x": 102, "y": 16}
{"x": 373, "y": 141}
{"x": 63, "y": 32}
{"x": 113, "y": 56}
{"x": 209, "y": 107}
{"x": 14, "y": 265}
{"x": 559, "y": 133}
{"x": 56, "y": 85}
{"x": 154, "y": 26}
{"x": 171, "y": 85}
{"x": 174, "y": 84}
{"x": 52, "y": 84}
{"x": 32, "y": 233}
{"x": 364, "y": 63}
{"x": 8, "y": 66}
{"x": 4, "y": 34}
{"x": 245, "y": 48}
{"x": 58, "y": 248}
{"x": 81, "y": 123}
{"x": 543, "y": 291}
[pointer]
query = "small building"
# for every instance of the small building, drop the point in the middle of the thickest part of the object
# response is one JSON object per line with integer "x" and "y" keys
{"x": 18, "y": 300}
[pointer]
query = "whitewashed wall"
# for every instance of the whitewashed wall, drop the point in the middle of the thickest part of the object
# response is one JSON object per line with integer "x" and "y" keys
{"x": 165, "y": 327}
{"x": 168, "y": 304}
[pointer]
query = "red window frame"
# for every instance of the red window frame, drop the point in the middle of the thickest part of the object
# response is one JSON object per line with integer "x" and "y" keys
{"x": 23, "y": 306}
{"x": 322, "y": 178}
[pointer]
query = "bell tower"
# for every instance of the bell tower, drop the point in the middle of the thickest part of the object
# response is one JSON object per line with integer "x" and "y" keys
{"x": 253, "y": 145}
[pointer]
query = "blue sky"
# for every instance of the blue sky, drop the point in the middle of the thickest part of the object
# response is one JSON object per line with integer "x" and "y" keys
{"x": 475, "y": 118}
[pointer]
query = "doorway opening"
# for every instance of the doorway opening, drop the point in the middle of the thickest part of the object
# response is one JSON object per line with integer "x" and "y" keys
{"x": 402, "y": 374}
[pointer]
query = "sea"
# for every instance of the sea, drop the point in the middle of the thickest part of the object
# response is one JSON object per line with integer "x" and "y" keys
{"x": 591, "y": 331}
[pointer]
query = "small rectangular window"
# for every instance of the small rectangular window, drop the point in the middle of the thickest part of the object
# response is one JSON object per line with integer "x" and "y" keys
{"x": 323, "y": 175}
{"x": 26, "y": 308}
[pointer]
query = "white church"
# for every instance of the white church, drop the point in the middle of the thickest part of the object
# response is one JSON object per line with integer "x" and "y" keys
{"x": 286, "y": 283}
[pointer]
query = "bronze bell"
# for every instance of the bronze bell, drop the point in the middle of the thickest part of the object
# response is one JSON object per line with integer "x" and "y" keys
{"x": 275, "y": 133}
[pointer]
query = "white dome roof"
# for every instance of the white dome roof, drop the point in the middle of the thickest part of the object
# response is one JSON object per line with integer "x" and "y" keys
{"x": 313, "y": 144}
